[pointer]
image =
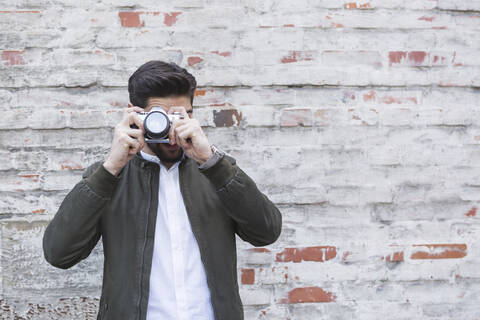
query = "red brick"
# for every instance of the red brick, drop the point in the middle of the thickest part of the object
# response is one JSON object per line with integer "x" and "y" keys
{"x": 396, "y": 56}
{"x": 171, "y": 18}
{"x": 424, "y": 18}
{"x": 193, "y": 61}
{"x": 292, "y": 117}
{"x": 21, "y": 11}
{"x": 388, "y": 97}
{"x": 395, "y": 257}
{"x": 295, "y": 56}
{"x": 345, "y": 256}
{"x": 391, "y": 99}
{"x": 436, "y": 59}
{"x": 318, "y": 254}
{"x": 131, "y": 19}
{"x": 443, "y": 59}
{"x": 223, "y": 54}
{"x": 200, "y": 93}
{"x": 248, "y": 276}
{"x": 65, "y": 165}
{"x": 417, "y": 57}
{"x": 13, "y": 57}
{"x": 369, "y": 96}
{"x": 33, "y": 177}
{"x": 354, "y": 5}
{"x": 439, "y": 251}
{"x": 309, "y": 295}
{"x": 472, "y": 212}
{"x": 414, "y": 58}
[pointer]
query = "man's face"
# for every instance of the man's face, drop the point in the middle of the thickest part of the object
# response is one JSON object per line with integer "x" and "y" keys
{"x": 164, "y": 151}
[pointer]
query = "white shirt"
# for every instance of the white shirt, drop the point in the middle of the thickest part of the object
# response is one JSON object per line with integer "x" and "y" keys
{"x": 178, "y": 283}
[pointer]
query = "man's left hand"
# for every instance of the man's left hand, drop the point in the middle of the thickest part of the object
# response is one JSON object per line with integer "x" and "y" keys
{"x": 188, "y": 134}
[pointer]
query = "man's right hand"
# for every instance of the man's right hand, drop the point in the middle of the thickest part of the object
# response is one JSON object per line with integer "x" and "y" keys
{"x": 126, "y": 141}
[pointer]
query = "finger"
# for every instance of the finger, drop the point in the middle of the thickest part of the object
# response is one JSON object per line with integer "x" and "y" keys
{"x": 134, "y": 133}
{"x": 126, "y": 116}
{"x": 130, "y": 117}
{"x": 132, "y": 108}
{"x": 182, "y": 128}
{"x": 181, "y": 141}
{"x": 180, "y": 122}
{"x": 185, "y": 134}
{"x": 171, "y": 132}
{"x": 175, "y": 124}
{"x": 133, "y": 151}
{"x": 133, "y": 118}
{"x": 187, "y": 122}
{"x": 185, "y": 131}
{"x": 138, "y": 135}
{"x": 180, "y": 109}
{"x": 191, "y": 123}
{"x": 133, "y": 145}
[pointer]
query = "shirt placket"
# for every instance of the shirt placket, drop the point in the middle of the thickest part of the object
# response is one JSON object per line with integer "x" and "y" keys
{"x": 176, "y": 242}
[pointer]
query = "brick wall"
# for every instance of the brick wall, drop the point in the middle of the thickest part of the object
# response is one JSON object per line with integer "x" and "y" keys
{"x": 359, "y": 119}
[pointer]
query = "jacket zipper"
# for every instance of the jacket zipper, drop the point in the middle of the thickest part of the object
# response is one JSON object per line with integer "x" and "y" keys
{"x": 143, "y": 249}
{"x": 209, "y": 281}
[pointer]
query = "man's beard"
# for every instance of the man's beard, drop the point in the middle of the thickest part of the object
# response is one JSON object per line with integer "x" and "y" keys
{"x": 165, "y": 155}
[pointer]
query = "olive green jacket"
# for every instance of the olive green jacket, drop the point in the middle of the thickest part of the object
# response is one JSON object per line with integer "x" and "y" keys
{"x": 221, "y": 201}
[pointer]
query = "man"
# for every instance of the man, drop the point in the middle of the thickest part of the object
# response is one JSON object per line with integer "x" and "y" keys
{"x": 167, "y": 213}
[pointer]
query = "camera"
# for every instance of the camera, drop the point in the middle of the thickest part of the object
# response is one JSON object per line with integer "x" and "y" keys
{"x": 157, "y": 124}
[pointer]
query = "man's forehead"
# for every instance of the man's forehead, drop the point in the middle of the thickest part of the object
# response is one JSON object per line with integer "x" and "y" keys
{"x": 169, "y": 101}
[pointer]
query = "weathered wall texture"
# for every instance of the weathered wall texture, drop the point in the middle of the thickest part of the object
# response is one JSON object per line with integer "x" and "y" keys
{"x": 359, "y": 119}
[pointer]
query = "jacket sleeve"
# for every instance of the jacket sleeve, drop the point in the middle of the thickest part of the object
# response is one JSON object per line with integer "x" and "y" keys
{"x": 75, "y": 229}
{"x": 257, "y": 219}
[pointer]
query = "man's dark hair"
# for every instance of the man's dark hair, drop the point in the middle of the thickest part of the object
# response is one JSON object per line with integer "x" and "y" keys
{"x": 160, "y": 79}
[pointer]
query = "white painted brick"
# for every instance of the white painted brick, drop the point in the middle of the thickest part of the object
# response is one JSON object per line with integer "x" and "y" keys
{"x": 131, "y": 37}
{"x": 22, "y": 247}
{"x": 264, "y": 96}
{"x": 61, "y": 181}
{"x": 19, "y": 182}
{"x": 33, "y": 204}
{"x": 78, "y": 57}
{"x": 257, "y": 256}
{"x": 131, "y": 57}
{"x": 459, "y": 5}
{"x": 218, "y": 39}
{"x": 255, "y": 296}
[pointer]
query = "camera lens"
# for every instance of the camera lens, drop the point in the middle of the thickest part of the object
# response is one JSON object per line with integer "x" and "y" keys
{"x": 156, "y": 125}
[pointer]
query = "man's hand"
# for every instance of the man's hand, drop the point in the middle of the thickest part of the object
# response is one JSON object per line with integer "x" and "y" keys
{"x": 126, "y": 141}
{"x": 188, "y": 134}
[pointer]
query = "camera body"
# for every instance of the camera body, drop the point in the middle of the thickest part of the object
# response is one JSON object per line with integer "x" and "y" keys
{"x": 157, "y": 124}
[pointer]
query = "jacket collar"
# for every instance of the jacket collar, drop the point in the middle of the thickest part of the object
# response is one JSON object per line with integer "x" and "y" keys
{"x": 140, "y": 161}
{"x": 155, "y": 159}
